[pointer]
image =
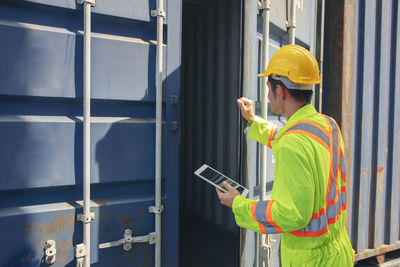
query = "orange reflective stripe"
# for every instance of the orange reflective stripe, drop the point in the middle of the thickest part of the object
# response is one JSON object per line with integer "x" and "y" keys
{"x": 333, "y": 201}
{"x": 310, "y": 234}
{"x": 268, "y": 215}
{"x": 271, "y": 137}
{"x": 318, "y": 214}
{"x": 262, "y": 228}
{"x": 316, "y": 138}
{"x": 253, "y": 210}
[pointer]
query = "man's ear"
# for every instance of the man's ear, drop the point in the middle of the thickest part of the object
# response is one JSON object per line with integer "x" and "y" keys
{"x": 280, "y": 92}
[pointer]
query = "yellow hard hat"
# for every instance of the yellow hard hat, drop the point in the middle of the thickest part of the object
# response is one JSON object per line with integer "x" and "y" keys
{"x": 296, "y": 63}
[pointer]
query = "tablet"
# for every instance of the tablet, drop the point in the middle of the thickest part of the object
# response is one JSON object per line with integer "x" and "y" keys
{"x": 216, "y": 178}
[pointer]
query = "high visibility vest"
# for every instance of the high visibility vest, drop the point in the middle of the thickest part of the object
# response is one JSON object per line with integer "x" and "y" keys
{"x": 311, "y": 205}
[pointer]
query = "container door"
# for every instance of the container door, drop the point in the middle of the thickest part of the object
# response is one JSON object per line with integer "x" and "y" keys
{"x": 306, "y": 21}
{"x": 210, "y": 132}
{"x": 41, "y": 130}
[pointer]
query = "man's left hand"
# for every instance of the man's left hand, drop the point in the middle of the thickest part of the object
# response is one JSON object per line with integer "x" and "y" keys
{"x": 228, "y": 197}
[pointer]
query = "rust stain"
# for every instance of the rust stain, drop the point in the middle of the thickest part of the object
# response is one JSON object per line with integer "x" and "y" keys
{"x": 364, "y": 171}
{"x": 30, "y": 228}
{"x": 101, "y": 202}
{"x": 61, "y": 222}
{"x": 62, "y": 249}
{"x": 126, "y": 218}
{"x": 128, "y": 254}
{"x": 380, "y": 172}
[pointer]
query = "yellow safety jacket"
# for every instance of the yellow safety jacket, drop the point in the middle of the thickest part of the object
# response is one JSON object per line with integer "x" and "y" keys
{"x": 308, "y": 199}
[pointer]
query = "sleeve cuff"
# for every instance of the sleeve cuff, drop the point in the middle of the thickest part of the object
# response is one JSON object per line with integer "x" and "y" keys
{"x": 235, "y": 202}
{"x": 255, "y": 126}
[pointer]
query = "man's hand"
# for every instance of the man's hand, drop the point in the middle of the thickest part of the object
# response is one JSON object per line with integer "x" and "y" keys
{"x": 246, "y": 106}
{"x": 228, "y": 197}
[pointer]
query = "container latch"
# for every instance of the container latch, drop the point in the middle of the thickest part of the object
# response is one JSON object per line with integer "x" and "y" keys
{"x": 50, "y": 251}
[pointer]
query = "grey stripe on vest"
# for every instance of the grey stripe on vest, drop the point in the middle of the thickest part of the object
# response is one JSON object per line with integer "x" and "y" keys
{"x": 342, "y": 164}
{"x": 261, "y": 208}
{"x": 313, "y": 130}
{"x": 333, "y": 210}
{"x": 335, "y": 147}
{"x": 317, "y": 224}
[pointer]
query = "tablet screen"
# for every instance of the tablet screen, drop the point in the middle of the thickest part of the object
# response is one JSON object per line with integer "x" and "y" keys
{"x": 218, "y": 179}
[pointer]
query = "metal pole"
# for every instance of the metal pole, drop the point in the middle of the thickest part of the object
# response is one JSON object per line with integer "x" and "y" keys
{"x": 86, "y": 132}
{"x": 292, "y": 22}
{"x": 159, "y": 76}
{"x": 265, "y": 7}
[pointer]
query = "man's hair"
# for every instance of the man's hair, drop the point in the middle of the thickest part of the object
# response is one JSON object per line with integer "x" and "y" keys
{"x": 299, "y": 95}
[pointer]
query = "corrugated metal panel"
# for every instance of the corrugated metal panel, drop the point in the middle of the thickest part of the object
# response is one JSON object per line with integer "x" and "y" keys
{"x": 374, "y": 213}
{"x": 210, "y": 118}
{"x": 41, "y": 129}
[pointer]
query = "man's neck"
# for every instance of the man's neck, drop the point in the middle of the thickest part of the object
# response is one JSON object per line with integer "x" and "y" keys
{"x": 293, "y": 108}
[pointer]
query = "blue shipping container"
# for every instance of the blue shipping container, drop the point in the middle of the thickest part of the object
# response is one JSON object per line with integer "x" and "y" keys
{"x": 41, "y": 88}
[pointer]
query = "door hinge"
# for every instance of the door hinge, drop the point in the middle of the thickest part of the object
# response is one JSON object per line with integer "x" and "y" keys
{"x": 158, "y": 13}
{"x": 91, "y": 2}
{"x": 85, "y": 219}
{"x": 156, "y": 210}
{"x": 266, "y": 4}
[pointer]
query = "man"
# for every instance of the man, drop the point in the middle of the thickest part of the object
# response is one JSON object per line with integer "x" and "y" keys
{"x": 308, "y": 199}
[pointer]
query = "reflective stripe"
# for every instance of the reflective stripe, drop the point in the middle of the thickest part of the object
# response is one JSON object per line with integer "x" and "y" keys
{"x": 271, "y": 137}
{"x": 312, "y": 129}
{"x": 262, "y": 214}
{"x": 332, "y": 211}
{"x": 342, "y": 164}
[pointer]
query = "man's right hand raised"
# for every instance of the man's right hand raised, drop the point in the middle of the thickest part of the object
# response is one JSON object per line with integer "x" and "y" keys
{"x": 246, "y": 107}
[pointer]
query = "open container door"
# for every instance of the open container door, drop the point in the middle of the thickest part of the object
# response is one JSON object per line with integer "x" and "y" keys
{"x": 210, "y": 131}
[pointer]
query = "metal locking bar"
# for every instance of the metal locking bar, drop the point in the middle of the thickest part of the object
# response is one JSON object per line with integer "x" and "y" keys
{"x": 128, "y": 240}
